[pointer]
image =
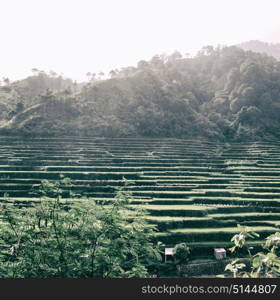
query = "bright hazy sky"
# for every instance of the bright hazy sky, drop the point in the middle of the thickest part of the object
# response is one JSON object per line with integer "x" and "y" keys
{"x": 76, "y": 36}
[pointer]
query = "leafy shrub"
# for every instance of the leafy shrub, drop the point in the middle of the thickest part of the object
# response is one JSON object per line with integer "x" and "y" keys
{"x": 181, "y": 253}
{"x": 262, "y": 264}
{"x": 58, "y": 238}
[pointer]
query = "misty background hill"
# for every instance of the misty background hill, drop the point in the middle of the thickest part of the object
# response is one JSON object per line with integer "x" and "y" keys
{"x": 223, "y": 93}
{"x": 261, "y": 47}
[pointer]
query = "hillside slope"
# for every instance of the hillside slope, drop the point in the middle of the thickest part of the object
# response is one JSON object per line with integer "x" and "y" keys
{"x": 221, "y": 94}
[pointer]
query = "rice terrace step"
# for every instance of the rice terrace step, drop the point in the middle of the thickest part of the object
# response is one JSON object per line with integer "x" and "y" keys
{"x": 191, "y": 190}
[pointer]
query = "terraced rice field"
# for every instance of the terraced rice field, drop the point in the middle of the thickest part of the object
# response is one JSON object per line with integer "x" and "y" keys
{"x": 195, "y": 191}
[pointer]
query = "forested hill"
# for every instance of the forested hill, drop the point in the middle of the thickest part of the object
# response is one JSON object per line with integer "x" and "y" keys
{"x": 262, "y": 47}
{"x": 224, "y": 94}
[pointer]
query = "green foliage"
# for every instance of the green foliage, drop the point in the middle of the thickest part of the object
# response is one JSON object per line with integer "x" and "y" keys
{"x": 181, "y": 253}
{"x": 262, "y": 264}
{"x": 83, "y": 239}
{"x": 223, "y": 93}
{"x": 240, "y": 239}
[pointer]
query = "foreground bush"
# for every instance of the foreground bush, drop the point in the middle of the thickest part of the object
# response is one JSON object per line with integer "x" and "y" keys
{"x": 262, "y": 264}
{"x": 83, "y": 239}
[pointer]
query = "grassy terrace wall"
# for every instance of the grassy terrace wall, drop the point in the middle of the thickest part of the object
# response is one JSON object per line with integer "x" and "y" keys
{"x": 195, "y": 191}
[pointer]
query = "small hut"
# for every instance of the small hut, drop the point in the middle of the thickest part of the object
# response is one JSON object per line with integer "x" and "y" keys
{"x": 220, "y": 253}
{"x": 168, "y": 252}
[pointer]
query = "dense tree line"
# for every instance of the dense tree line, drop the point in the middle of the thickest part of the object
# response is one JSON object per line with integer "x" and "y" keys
{"x": 221, "y": 93}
